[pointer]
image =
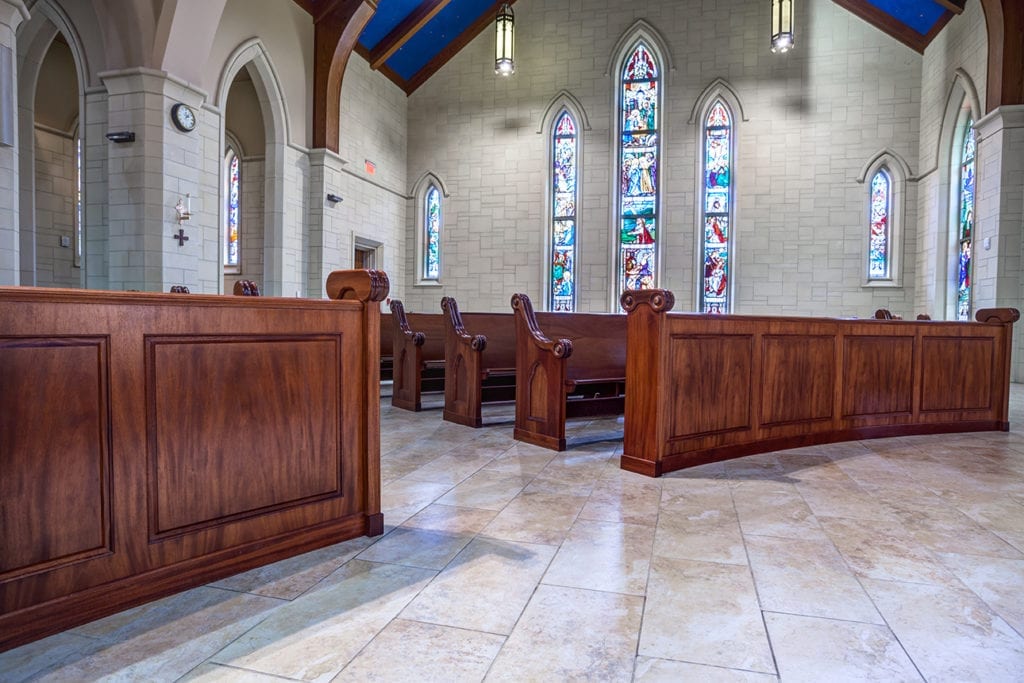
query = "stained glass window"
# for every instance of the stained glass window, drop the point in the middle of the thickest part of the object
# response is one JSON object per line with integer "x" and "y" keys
{"x": 966, "y": 225}
{"x": 880, "y": 235}
{"x": 717, "y": 204}
{"x": 234, "y": 191}
{"x": 565, "y": 173}
{"x": 432, "y": 234}
{"x": 638, "y": 170}
{"x": 78, "y": 201}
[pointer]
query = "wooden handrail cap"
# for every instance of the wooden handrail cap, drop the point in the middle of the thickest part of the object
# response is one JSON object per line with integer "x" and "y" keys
{"x": 997, "y": 315}
{"x": 361, "y": 285}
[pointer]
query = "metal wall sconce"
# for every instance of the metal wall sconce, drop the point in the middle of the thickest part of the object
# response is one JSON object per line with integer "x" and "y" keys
{"x": 121, "y": 136}
{"x": 333, "y": 198}
{"x": 184, "y": 208}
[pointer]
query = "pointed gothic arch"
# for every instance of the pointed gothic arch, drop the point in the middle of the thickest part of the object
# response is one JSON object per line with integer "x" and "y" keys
{"x": 253, "y": 55}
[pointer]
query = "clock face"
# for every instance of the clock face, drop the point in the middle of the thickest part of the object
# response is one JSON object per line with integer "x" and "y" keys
{"x": 183, "y": 116}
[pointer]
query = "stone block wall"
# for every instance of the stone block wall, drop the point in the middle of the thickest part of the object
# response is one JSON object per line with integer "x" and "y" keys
{"x": 55, "y": 210}
{"x": 814, "y": 118}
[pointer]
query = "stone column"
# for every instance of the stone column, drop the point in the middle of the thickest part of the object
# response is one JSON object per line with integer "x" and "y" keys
{"x": 999, "y": 218}
{"x": 12, "y": 13}
{"x": 325, "y": 219}
{"x": 148, "y": 177}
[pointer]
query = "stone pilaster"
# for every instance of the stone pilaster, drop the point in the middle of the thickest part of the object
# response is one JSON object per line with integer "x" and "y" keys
{"x": 999, "y": 224}
{"x": 147, "y": 178}
{"x": 12, "y": 13}
{"x": 325, "y": 219}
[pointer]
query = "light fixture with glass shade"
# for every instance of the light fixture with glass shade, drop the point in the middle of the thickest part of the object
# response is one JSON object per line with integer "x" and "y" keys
{"x": 782, "y": 25}
{"x": 504, "y": 42}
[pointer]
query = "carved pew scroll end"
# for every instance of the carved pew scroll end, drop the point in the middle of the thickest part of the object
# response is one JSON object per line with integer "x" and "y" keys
{"x": 997, "y": 315}
{"x": 660, "y": 300}
{"x": 361, "y": 285}
{"x": 523, "y": 307}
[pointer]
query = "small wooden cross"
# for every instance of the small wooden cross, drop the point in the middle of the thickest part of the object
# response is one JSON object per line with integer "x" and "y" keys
{"x": 180, "y": 237}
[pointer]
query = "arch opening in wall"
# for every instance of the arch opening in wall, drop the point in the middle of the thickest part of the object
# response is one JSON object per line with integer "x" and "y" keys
{"x": 254, "y": 121}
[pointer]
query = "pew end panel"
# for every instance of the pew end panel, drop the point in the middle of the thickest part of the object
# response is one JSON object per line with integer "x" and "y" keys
{"x": 151, "y": 443}
{"x": 719, "y": 387}
{"x": 463, "y": 368}
{"x": 540, "y": 380}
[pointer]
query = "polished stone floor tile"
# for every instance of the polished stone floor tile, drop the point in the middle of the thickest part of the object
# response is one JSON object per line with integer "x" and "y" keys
{"x": 403, "y": 498}
{"x": 414, "y": 651}
{"x": 651, "y": 670}
{"x": 485, "y": 588}
{"x": 884, "y": 550}
{"x": 812, "y": 649}
{"x": 604, "y": 556}
{"x": 537, "y": 517}
{"x": 567, "y": 634}
{"x": 999, "y": 582}
{"x": 625, "y": 500}
{"x": 313, "y": 637}
{"x": 166, "y": 639}
{"x": 487, "y": 490}
{"x": 704, "y": 613}
{"x": 290, "y": 578}
{"x": 218, "y": 673}
{"x": 431, "y": 538}
{"x": 777, "y": 510}
{"x": 808, "y": 578}
{"x": 29, "y": 661}
{"x": 710, "y": 534}
{"x": 949, "y": 633}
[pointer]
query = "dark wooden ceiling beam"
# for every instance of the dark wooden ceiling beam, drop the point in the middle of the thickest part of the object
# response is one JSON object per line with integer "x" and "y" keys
{"x": 336, "y": 31}
{"x": 888, "y": 24}
{"x": 398, "y": 36}
{"x": 1004, "y": 20}
{"x": 954, "y": 6}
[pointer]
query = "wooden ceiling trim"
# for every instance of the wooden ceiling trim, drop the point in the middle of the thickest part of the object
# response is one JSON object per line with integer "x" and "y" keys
{"x": 886, "y": 23}
{"x": 1004, "y": 20}
{"x": 398, "y": 36}
{"x": 954, "y": 6}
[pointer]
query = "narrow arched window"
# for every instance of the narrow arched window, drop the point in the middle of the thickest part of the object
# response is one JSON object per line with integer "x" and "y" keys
{"x": 432, "y": 234}
{"x": 565, "y": 174}
{"x": 965, "y": 229}
{"x": 880, "y": 227}
{"x": 232, "y": 224}
{"x": 79, "y": 224}
{"x": 639, "y": 156}
{"x": 717, "y": 209}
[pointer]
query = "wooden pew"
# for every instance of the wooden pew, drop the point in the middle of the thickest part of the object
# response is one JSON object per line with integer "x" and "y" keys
{"x": 246, "y": 288}
{"x": 151, "y": 443}
{"x": 705, "y": 388}
{"x": 418, "y": 352}
{"x": 579, "y": 374}
{"x": 480, "y": 366}
{"x": 387, "y": 345}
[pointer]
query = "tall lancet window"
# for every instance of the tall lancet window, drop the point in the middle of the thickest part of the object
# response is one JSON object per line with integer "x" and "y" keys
{"x": 717, "y": 209}
{"x": 432, "y": 234}
{"x": 966, "y": 224}
{"x": 638, "y": 170}
{"x": 565, "y": 173}
{"x": 880, "y": 229}
{"x": 232, "y": 224}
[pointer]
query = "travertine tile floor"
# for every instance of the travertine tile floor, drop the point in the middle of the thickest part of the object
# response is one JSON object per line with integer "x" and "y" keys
{"x": 894, "y": 559}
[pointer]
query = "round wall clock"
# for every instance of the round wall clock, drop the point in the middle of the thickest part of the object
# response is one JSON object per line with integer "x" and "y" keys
{"x": 183, "y": 117}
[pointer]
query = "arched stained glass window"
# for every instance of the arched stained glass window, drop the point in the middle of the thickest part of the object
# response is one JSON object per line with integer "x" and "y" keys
{"x": 880, "y": 229}
{"x": 717, "y": 208}
{"x": 432, "y": 234}
{"x": 966, "y": 224}
{"x": 638, "y": 170}
{"x": 78, "y": 202}
{"x": 232, "y": 225}
{"x": 565, "y": 174}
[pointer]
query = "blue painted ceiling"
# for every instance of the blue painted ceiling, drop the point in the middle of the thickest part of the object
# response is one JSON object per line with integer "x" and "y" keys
{"x": 416, "y": 49}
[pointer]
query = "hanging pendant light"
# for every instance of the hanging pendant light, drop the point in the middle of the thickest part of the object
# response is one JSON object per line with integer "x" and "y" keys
{"x": 782, "y": 25}
{"x": 504, "y": 42}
